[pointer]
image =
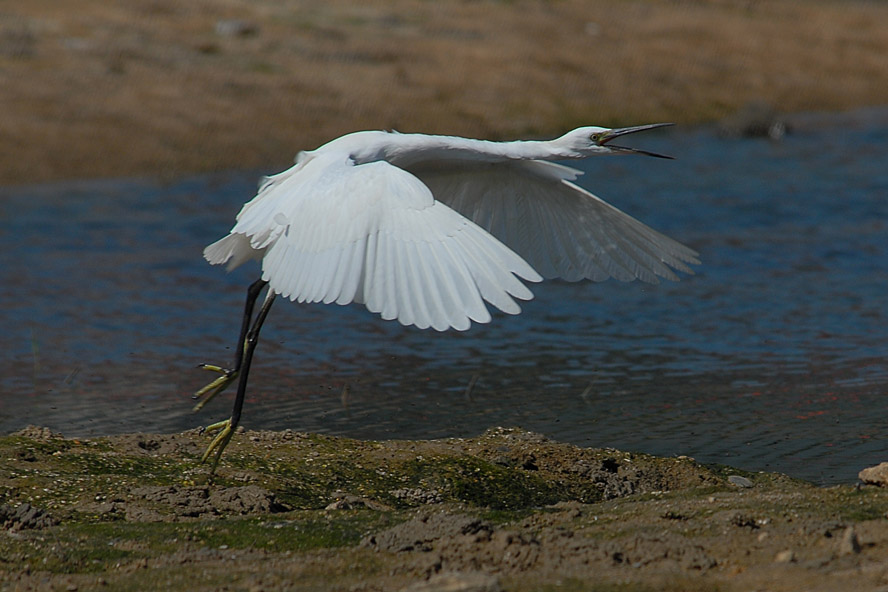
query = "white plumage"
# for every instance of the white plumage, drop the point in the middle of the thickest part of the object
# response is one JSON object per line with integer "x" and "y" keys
{"x": 425, "y": 229}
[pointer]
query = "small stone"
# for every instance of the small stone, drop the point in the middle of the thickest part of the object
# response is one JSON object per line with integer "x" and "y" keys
{"x": 24, "y": 516}
{"x": 235, "y": 28}
{"x": 457, "y": 582}
{"x": 743, "y": 520}
{"x": 849, "y": 544}
{"x": 353, "y": 502}
{"x": 785, "y": 557}
{"x": 877, "y": 475}
{"x": 755, "y": 119}
{"x": 739, "y": 481}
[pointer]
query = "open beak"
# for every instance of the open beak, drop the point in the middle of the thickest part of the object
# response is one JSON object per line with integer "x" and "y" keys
{"x": 622, "y": 131}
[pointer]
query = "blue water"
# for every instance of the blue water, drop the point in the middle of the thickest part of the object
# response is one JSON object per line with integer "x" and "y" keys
{"x": 771, "y": 357}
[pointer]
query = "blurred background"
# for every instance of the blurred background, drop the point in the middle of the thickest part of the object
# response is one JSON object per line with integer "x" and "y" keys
{"x": 132, "y": 132}
{"x": 90, "y": 88}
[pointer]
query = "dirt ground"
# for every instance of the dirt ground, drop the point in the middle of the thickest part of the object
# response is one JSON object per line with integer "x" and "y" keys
{"x": 163, "y": 88}
{"x": 508, "y": 510}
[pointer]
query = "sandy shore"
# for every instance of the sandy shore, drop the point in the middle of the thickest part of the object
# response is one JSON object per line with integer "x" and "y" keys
{"x": 165, "y": 88}
{"x": 509, "y": 510}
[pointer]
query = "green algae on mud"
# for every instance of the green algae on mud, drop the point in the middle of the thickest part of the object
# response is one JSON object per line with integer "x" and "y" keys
{"x": 501, "y": 469}
{"x": 319, "y": 512}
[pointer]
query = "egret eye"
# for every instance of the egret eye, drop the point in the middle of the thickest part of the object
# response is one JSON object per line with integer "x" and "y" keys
{"x": 597, "y": 137}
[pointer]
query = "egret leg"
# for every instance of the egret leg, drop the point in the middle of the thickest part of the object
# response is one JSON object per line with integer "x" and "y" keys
{"x": 227, "y": 427}
{"x": 229, "y": 374}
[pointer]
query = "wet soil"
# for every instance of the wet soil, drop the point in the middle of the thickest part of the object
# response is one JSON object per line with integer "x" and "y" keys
{"x": 507, "y": 510}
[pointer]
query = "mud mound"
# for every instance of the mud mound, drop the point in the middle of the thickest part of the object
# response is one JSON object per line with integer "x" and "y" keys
{"x": 507, "y": 510}
{"x": 24, "y": 516}
{"x": 175, "y": 503}
{"x": 459, "y": 542}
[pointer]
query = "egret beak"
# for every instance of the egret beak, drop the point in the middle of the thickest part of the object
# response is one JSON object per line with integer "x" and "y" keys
{"x": 622, "y": 131}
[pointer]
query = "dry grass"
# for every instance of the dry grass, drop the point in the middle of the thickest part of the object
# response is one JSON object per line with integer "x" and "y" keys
{"x": 96, "y": 88}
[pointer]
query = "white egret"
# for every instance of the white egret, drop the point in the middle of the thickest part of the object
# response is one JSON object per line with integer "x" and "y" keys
{"x": 426, "y": 229}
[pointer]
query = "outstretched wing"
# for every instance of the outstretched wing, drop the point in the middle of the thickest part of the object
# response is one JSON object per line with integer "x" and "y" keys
{"x": 372, "y": 233}
{"x": 559, "y": 228}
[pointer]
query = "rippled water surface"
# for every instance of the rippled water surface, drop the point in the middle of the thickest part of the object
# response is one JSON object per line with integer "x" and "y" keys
{"x": 771, "y": 357}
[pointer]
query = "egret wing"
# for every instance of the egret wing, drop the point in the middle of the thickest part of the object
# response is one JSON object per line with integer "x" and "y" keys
{"x": 338, "y": 232}
{"x": 561, "y": 229}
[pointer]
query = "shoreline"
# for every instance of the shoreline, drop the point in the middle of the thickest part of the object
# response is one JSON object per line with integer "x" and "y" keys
{"x": 508, "y": 510}
{"x": 163, "y": 90}
{"x": 799, "y": 122}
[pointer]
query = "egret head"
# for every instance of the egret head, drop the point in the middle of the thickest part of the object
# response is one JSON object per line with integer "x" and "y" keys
{"x": 596, "y": 140}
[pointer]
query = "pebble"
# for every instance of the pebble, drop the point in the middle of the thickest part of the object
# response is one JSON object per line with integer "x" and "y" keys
{"x": 457, "y": 582}
{"x": 352, "y": 502}
{"x": 785, "y": 557}
{"x": 235, "y": 28}
{"x": 877, "y": 475}
{"x": 849, "y": 544}
{"x": 755, "y": 119}
{"x": 739, "y": 481}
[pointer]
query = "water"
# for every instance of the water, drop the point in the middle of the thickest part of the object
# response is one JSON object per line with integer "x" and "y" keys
{"x": 771, "y": 357}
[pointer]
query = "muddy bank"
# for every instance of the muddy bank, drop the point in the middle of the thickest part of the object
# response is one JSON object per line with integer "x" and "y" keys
{"x": 165, "y": 88}
{"x": 508, "y": 510}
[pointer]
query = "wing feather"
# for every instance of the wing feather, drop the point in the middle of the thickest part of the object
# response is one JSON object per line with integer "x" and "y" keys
{"x": 561, "y": 229}
{"x": 338, "y": 232}
{"x": 418, "y": 245}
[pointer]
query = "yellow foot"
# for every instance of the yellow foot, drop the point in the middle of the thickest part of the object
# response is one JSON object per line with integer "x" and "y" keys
{"x": 219, "y": 442}
{"x": 215, "y": 387}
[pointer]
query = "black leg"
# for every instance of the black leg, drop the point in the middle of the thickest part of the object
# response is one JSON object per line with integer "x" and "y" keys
{"x": 252, "y": 295}
{"x": 228, "y": 374}
{"x": 252, "y": 339}
{"x": 249, "y": 338}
